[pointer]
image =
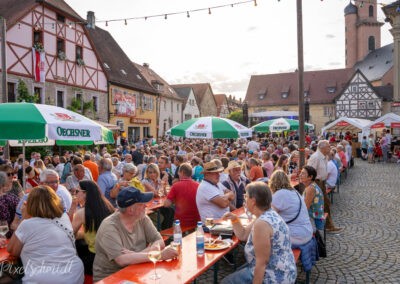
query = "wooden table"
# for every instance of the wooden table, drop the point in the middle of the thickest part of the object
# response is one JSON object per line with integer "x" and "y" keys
{"x": 153, "y": 205}
{"x": 184, "y": 270}
{"x": 4, "y": 255}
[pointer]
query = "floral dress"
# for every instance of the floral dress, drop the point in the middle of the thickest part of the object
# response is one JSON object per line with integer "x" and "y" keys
{"x": 8, "y": 204}
{"x": 281, "y": 267}
{"x": 316, "y": 210}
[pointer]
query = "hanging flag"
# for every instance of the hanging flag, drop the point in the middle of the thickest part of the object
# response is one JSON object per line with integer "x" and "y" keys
{"x": 38, "y": 65}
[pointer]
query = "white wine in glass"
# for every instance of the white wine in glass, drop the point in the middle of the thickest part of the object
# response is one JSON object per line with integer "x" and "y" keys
{"x": 154, "y": 255}
{"x": 3, "y": 228}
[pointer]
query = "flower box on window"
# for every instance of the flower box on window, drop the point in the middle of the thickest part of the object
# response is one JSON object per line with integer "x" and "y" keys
{"x": 38, "y": 47}
{"x": 61, "y": 55}
{"x": 80, "y": 62}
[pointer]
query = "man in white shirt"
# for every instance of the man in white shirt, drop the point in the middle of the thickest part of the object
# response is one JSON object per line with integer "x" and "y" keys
{"x": 253, "y": 146}
{"x": 211, "y": 200}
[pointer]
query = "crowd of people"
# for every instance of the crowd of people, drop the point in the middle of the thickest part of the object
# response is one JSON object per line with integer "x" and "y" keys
{"x": 85, "y": 213}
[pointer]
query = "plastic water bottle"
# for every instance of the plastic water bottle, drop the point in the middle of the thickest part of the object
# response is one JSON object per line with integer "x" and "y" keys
{"x": 178, "y": 232}
{"x": 200, "y": 239}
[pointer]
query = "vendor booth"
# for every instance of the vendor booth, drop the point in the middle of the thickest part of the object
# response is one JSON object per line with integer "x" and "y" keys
{"x": 387, "y": 121}
{"x": 344, "y": 124}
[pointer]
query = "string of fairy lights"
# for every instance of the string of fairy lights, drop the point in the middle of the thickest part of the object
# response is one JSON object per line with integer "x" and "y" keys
{"x": 208, "y": 10}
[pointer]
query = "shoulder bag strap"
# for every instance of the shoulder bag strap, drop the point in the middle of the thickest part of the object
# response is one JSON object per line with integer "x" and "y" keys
{"x": 69, "y": 233}
{"x": 298, "y": 213}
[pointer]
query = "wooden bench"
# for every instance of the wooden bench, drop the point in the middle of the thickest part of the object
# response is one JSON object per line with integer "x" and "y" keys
{"x": 296, "y": 254}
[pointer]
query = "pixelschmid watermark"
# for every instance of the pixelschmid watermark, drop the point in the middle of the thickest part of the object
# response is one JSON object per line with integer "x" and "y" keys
{"x": 34, "y": 268}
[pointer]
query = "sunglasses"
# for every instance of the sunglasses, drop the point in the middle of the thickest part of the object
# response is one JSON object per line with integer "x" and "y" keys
{"x": 75, "y": 191}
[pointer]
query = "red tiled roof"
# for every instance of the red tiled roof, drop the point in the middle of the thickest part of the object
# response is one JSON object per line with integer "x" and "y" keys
{"x": 198, "y": 89}
{"x": 266, "y": 90}
{"x": 151, "y": 76}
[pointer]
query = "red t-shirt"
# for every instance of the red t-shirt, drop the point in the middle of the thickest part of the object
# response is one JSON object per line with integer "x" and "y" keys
{"x": 183, "y": 194}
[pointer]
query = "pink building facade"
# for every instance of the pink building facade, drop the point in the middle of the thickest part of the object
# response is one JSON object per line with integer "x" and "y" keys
{"x": 70, "y": 66}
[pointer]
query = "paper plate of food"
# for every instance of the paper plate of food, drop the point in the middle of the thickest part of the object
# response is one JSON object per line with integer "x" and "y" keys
{"x": 217, "y": 245}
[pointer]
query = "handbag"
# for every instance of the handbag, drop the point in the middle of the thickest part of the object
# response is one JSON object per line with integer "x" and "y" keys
{"x": 321, "y": 244}
{"x": 298, "y": 213}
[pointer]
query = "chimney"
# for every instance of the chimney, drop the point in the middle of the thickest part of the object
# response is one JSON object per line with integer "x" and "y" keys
{"x": 146, "y": 65}
{"x": 91, "y": 20}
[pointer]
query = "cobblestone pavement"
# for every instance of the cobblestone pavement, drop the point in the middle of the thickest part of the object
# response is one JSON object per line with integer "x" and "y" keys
{"x": 368, "y": 250}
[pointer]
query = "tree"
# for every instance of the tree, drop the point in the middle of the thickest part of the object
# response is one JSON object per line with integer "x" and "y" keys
{"x": 23, "y": 93}
{"x": 237, "y": 116}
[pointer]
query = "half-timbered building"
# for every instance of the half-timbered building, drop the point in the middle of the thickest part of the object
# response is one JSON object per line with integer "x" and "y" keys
{"x": 47, "y": 47}
{"x": 359, "y": 99}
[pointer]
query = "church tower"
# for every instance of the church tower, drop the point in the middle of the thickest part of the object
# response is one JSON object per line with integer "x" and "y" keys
{"x": 362, "y": 30}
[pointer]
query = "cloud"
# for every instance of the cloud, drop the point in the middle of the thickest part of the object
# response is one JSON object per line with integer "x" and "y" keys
{"x": 252, "y": 28}
{"x": 330, "y": 36}
{"x": 334, "y": 63}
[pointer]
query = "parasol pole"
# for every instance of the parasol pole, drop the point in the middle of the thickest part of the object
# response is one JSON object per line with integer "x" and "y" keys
{"x": 23, "y": 165}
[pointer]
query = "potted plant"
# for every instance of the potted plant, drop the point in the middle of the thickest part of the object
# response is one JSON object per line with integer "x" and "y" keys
{"x": 61, "y": 55}
{"x": 38, "y": 46}
{"x": 80, "y": 62}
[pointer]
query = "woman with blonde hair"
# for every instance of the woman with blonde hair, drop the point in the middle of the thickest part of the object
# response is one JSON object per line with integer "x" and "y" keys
{"x": 288, "y": 203}
{"x": 45, "y": 240}
{"x": 152, "y": 181}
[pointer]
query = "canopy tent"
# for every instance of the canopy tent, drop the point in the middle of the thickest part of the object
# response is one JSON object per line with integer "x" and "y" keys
{"x": 389, "y": 120}
{"x": 279, "y": 125}
{"x": 344, "y": 124}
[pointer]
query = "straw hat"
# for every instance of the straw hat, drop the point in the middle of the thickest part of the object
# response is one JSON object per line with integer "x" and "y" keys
{"x": 233, "y": 165}
{"x": 212, "y": 167}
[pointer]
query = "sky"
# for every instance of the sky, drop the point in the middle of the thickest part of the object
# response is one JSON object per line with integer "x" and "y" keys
{"x": 229, "y": 45}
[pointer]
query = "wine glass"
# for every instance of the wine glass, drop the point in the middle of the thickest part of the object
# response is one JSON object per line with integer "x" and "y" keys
{"x": 209, "y": 223}
{"x": 3, "y": 229}
{"x": 154, "y": 255}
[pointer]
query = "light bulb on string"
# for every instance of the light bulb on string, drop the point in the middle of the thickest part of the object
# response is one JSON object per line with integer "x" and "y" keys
{"x": 126, "y": 23}
{"x": 232, "y": 5}
{"x": 70, "y": 25}
{"x": 187, "y": 14}
{"x": 255, "y": 2}
{"x": 362, "y": 4}
{"x": 209, "y": 11}
{"x": 165, "y": 17}
{"x": 145, "y": 18}
{"x": 106, "y": 23}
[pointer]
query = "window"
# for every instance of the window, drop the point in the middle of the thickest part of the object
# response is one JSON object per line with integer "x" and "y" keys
{"x": 261, "y": 96}
{"x": 371, "y": 10}
{"x": 37, "y": 91}
{"x": 188, "y": 116}
{"x": 354, "y": 89}
{"x": 37, "y": 37}
{"x": 177, "y": 107}
{"x": 95, "y": 103}
{"x": 341, "y": 107}
{"x": 12, "y": 98}
{"x": 371, "y": 105}
{"x": 371, "y": 43}
{"x": 146, "y": 132}
{"x": 284, "y": 95}
{"x": 78, "y": 97}
{"x": 331, "y": 90}
{"x": 60, "y": 45}
{"x": 362, "y": 105}
{"x": 165, "y": 105}
{"x": 60, "y": 99}
{"x": 78, "y": 52}
{"x": 60, "y": 18}
{"x": 328, "y": 111}
{"x": 172, "y": 106}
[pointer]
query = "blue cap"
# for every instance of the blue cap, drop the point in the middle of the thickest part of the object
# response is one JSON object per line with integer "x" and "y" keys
{"x": 130, "y": 195}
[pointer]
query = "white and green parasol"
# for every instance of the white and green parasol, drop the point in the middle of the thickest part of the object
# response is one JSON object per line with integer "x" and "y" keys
{"x": 210, "y": 127}
{"x": 279, "y": 125}
{"x": 39, "y": 124}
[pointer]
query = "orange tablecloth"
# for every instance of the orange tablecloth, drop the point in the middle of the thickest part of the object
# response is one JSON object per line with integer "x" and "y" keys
{"x": 155, "y": 203}
{"x": 4, "y": 255}
{"x": 184, "y": 270}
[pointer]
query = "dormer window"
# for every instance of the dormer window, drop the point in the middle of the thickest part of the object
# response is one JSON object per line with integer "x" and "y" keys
{"x": 106, "y": 65}
{"x": 284, "y": 95}
{"x": 261, "y": 96}
{"x": 331, "y": 90}
{"x": 60, "y": 18}
{"x": 124, "y": 72}
{"x": 138, "y": 76}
